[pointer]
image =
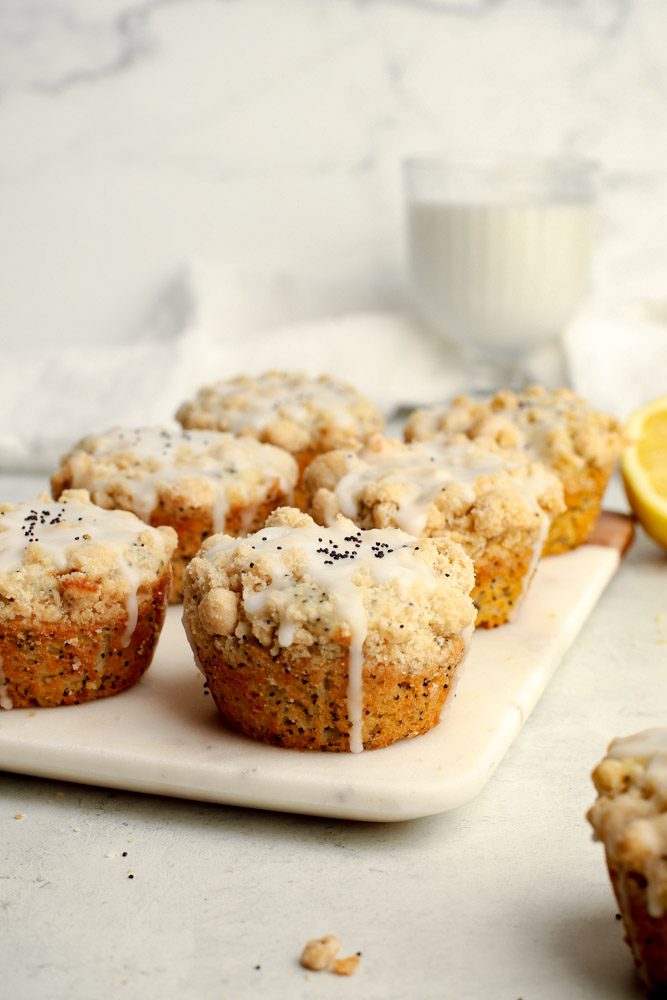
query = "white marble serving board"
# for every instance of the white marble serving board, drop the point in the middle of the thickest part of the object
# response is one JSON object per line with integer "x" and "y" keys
{"x": 165, "y": 736}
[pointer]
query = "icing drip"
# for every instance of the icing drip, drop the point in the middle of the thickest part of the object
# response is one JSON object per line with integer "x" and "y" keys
{"x": 5, "y": 700}
{"x": 133, "y": 576}
{"x": 193, "y": 645}
{"x": 334, "y": 558}
{"x": 219, "y": 511}
{"x": 58, "y": 530}
{"x": 535, "y": 556}
{"x": 466, "y": 635}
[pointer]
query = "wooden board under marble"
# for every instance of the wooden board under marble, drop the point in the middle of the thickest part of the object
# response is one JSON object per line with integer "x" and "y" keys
{"x": 164, "y": 736}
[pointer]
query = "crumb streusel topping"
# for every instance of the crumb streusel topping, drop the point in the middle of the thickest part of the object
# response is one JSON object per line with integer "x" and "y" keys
{"x": 295, "y": 582}
{"x": 69, "y": 559}
{"x": 556, "y": 427}
{"x": 430, "y": 488}
{"x": 203, "y": 469}
{"x": 289, "y": 410}
{"x": 630, "y": 815}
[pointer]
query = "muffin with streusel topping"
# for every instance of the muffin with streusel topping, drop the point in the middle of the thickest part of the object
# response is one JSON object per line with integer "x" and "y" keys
{"x": 305, "y": 416}
{"x": 558, "y": 428}
{"x": 333, "y": 639}
{"x": 83, "y": 594}
{"x": 630, "y": 819}
{"x": 198, "y": 482}
{"x": 496, "y": 504}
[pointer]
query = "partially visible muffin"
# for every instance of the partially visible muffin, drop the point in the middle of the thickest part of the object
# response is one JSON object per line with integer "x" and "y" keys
{"x": 83, "y": 594}
{"x": 575, "y": 441}
{"x": 494, "y": 503}
{"x": 305, "y": 416}
{"x": 330, "y": 639}
{"x": 199, "y": 482}
{"x": 630, "y": 819}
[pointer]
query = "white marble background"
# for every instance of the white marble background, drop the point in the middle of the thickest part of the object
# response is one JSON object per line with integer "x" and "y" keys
{"x": 137, "y": 134}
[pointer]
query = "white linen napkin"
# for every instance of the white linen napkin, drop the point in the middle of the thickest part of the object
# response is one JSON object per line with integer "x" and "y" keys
{"x": 617, "y": 356}
{"x": 215, "y": 322}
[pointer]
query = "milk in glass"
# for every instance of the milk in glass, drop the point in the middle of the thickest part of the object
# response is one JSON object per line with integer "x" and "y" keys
{"x": 499, "y": 277}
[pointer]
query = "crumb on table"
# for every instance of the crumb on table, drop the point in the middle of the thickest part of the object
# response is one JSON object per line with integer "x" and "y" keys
{"x": 319, "y": 954}
{"x": 345, "y": 966}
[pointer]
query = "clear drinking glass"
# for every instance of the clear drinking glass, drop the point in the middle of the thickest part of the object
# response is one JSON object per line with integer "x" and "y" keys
{"x": 499, "y": 254}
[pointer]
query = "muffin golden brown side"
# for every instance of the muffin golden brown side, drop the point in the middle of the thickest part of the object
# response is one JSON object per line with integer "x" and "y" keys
{"x": 330, "y": 639}
{"x": 630, "y": 819}
{"x": 198, "y": 482}
{"x": 496, "y": 504}
{"x": 305, "y": 416}
{"x": 558, "y": 428}
{"x": 83, "y": 593}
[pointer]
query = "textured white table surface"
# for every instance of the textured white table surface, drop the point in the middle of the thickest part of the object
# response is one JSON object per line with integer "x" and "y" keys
{"x": 138, "y": 135}
{"x": 505, "y": 897}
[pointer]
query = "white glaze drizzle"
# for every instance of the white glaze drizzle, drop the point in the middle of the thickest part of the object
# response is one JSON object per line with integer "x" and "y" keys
{"x": 643, "y": 808}
{"x": 535, "y": 556}
{"x": 5, "y": 700}
{"x": 530, "y": 425}
{"x": 259, "y": 402}
{"x": 424, "y": 469}
{"x": 193, "y": 644}
{"x": 142, "y": 460}
{"x": 57, "y": 529}
{"x": 649, "y": 747}
{"x": 466, "y": 635}
{"x": 333, "y": 557}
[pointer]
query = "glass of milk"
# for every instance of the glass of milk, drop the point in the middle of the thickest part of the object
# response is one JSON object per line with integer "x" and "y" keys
{"x": 499, "y": 254}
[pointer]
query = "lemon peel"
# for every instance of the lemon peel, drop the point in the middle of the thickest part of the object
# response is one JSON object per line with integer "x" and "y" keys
{"x": 644, "y": 468}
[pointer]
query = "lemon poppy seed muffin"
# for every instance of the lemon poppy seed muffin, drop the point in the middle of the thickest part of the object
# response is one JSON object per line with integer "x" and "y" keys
{"x": 83, "y": 593}
{"x": 331, "y": 639}
{"x": 575, "y": 441}
{"x": 496, "y": 504}
{"x": 199, "y": 482}
{"x": 630, "y": 819}
{"x": 305, "y": 416}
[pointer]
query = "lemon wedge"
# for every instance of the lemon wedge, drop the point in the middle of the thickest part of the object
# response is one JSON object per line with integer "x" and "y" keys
{"x": 644, "y": 468}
